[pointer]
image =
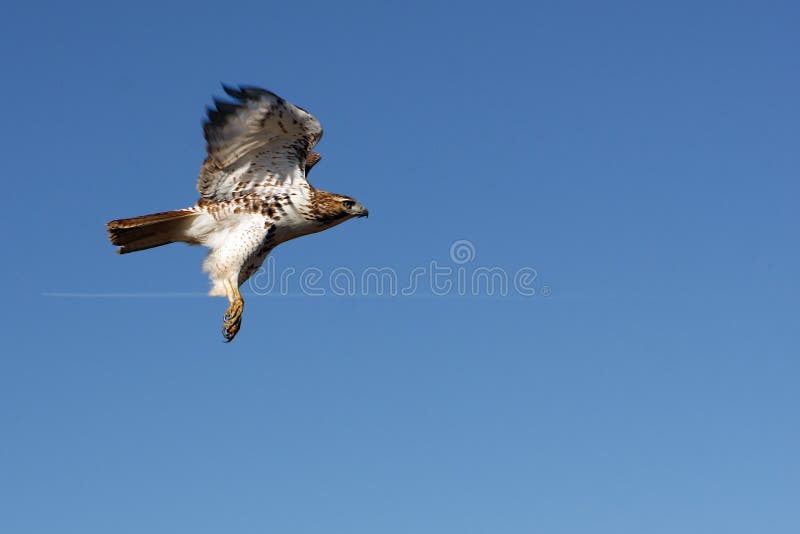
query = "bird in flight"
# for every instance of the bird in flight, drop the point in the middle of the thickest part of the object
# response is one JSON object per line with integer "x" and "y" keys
{"x": 254, "y": 194}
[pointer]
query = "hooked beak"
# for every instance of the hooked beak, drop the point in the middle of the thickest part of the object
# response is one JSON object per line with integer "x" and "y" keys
{"x": 361, "y": 211}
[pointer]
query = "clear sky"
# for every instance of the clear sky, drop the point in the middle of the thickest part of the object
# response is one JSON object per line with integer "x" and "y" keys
{"x": 640, "y": 157}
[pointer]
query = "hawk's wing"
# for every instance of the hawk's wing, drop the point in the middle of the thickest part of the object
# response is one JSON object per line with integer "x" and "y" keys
{"x": 258, "y": 141}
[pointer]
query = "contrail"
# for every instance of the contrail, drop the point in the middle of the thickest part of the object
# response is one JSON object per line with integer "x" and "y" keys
{"x": 86, "y": 295}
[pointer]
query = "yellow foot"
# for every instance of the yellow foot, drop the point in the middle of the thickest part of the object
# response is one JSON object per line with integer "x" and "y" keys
{"x": 233, "y": 320}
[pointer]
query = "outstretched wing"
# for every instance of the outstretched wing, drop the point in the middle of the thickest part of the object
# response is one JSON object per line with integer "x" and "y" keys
{"x": 257, "y": 141}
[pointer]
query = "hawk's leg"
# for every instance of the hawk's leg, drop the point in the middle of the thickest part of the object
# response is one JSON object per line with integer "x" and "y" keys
{"x": 233, "y": 317}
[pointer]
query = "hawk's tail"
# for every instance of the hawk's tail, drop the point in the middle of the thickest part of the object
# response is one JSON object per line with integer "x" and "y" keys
{"x": 148, "y": 231}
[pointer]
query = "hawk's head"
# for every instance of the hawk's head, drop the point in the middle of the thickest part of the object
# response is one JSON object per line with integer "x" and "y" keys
{"x": 329, "y": 208}
{"x": 349, "y": 207}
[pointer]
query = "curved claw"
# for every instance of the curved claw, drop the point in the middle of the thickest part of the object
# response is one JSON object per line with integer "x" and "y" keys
{"x": 233, "y": 320}
{"x": 231, "y": 328}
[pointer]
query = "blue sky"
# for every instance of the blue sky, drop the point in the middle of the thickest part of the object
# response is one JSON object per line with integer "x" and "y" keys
{"x": 641, "y": 157}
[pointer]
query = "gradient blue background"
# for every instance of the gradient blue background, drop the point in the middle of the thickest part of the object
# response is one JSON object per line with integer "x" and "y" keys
{"x": 642, "y": 156}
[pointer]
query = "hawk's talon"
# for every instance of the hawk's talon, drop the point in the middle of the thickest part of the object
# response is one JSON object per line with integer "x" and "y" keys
{"x": 233, "y": 320}
{"x": 230, "y": 330}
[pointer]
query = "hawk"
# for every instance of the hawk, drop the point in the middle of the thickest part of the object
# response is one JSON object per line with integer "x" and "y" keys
{"x": 254, "y": 194}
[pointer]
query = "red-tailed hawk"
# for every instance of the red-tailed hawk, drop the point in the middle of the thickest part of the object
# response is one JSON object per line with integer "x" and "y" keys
{"x": 254, "y": 194}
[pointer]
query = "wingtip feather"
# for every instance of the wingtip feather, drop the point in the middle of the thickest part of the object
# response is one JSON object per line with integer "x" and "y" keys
{"x": 232, "y": 91}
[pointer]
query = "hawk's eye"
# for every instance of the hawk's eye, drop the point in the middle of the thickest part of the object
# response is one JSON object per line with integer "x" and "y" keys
{"x": 348, "y": 204}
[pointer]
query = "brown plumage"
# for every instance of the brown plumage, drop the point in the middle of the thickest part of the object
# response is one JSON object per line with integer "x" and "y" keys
{"x": 312, "y": 159}
{"x": 148, "y": 231}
